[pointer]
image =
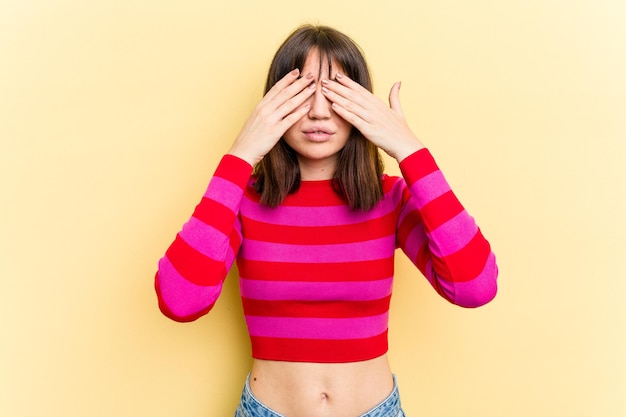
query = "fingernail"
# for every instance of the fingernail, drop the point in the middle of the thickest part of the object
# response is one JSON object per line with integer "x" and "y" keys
{"x": 312, "y": 86}
{"x": 309, "y": 75}
{"x": 324, "y": 81}
{"x": 324, "y": 89}
{"x": 338, "y": 75}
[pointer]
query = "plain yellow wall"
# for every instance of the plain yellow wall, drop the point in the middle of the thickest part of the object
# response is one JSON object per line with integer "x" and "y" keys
{"x": 113, "y": 115}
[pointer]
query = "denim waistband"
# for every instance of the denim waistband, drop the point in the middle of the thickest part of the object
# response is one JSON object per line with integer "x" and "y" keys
{"x": 250, "y": 406}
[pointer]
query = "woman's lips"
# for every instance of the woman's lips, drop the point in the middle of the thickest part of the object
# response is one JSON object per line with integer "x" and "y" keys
{"x": 318, "y": 135}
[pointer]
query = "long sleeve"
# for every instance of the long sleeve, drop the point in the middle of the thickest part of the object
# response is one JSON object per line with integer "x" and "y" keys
{"x": 191, "y": 273}
{"x": 441, "y": 238}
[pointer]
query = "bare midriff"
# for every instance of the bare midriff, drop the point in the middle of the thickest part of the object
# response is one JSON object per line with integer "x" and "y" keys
{"x": 306, "y": 389}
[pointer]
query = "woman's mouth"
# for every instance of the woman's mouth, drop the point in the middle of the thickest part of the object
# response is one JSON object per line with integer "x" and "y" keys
{"x": 318, "y": 134}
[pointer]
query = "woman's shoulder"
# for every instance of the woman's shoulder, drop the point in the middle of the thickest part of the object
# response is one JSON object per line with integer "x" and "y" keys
{"x": 391, "y": 181}
{"x": 394, "y": 187}
{"x": 250, "y": 190}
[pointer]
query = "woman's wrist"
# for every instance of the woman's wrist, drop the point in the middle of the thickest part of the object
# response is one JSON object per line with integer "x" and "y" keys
{"x": 406, "y": 148}
{"x": 240, "y": 152}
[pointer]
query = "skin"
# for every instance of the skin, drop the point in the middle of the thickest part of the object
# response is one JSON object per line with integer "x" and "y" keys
{"x": 297, "y": 101}
{"x": 318, "y": 137}
{"x": 315, "y": 113}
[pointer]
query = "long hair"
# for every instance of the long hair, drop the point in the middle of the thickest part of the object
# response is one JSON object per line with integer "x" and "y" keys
{"x": 358, "y": 176}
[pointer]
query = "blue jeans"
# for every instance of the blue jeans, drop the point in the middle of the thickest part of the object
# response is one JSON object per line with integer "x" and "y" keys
{"x": 250, "y": 406}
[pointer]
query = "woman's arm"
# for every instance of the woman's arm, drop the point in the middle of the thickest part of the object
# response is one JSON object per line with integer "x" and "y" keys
{"x": 435, "y": 231}
{"x": 190, "y": 275}
{"x": 441, "y": 238}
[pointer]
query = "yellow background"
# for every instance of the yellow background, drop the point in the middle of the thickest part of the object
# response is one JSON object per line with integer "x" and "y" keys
{"x": 113, "y": 116}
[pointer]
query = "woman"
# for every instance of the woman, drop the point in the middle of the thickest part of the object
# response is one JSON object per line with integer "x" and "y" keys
{"x": 300, "y": 202}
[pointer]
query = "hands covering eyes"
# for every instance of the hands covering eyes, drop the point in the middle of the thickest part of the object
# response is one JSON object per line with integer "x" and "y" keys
{"x": 383, "y": 125}
{"x": 286, "y": 103}
{"x": 282, "y": 106}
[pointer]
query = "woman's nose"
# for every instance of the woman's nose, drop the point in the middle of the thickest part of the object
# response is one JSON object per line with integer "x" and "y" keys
{"x": 320, "y": 105}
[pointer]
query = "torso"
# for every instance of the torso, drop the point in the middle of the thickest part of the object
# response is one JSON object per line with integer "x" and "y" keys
{"x": 315, "y": 276}
{"x": 303, "y": 383}
{"x": 305, "y": 389}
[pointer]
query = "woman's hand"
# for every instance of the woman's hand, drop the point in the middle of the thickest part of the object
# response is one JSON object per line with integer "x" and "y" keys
{"x": 383, "y": 125}
{"x": 279, "y": 109}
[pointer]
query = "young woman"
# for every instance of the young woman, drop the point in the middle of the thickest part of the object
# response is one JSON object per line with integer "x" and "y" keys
{"x": 301, "y": 204}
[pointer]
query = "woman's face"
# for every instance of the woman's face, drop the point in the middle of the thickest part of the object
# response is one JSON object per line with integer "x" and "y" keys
{"x": 318, "y": 137}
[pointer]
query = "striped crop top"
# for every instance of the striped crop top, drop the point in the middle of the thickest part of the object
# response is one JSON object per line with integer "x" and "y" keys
{"x": 316, "y": 277}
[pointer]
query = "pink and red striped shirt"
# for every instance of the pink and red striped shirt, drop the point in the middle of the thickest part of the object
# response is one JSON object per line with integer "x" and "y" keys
{"x": 315, "y": 276}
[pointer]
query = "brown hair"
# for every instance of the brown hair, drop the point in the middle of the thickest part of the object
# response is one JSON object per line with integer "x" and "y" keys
{"x": 358, "y": 177}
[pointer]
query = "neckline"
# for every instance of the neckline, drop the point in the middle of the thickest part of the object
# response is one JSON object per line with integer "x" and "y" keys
{"x": 316, "y": 184}
{"x": 316, "y": 181}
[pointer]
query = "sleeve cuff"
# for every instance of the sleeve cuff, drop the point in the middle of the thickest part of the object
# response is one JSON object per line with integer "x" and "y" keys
{"x": 418, "y": 165}
{"x": 234, "y": 169}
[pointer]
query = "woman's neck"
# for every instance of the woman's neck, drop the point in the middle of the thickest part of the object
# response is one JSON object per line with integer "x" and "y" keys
{"x": 317, "y": 170}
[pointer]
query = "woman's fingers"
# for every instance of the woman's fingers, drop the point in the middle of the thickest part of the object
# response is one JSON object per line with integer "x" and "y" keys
{"x": 286, "y": 89}
{"x": 382, "y": 124}
{"x": 354, "y": 98}
{"x": 285, "y": 107}
{"x": 281, "y": 84}
{"x": 279, "y": 109}
{"x": 287, "y": 101}
{"x": 352, "y": 101}
{"x": 349, "y": 83}
{"x": 293, "y": 117}
{"x": 347, "y": 93}
{"x": 394, "y": 99}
